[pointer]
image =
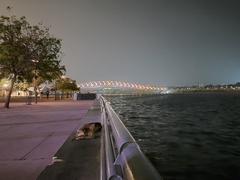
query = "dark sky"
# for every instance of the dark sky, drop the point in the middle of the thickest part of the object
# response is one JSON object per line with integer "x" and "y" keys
{"x": 168, "y": 42}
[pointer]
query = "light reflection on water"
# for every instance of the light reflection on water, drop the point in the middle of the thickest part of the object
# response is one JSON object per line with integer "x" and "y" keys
{"x": 191, "y": 136}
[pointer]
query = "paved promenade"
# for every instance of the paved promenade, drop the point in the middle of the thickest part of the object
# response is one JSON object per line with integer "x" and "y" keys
{"x": 30, "y": 135}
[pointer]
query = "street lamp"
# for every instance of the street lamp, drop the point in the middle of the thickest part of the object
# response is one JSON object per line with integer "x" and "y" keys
{"x": 35, "y": 78}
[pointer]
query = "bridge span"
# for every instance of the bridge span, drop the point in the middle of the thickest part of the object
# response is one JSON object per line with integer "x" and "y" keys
{"x": 120, "y": 87}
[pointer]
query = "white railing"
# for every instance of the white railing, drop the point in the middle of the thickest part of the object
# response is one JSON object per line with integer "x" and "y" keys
{"x": 121, "y": 156}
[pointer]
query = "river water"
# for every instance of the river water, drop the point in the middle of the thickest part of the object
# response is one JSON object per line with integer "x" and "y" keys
{"x": 186, "y": 136}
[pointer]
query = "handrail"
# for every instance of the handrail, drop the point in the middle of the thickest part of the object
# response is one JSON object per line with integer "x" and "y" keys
{"x": 121, "y": 133}
{"x": 122, "y": 156}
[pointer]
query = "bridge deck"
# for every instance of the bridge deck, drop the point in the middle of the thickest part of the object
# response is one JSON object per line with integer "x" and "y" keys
{"x": 31, "y": 135}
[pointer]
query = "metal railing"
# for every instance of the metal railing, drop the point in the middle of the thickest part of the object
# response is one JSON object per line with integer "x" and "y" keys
{"x": 121, "y": 157}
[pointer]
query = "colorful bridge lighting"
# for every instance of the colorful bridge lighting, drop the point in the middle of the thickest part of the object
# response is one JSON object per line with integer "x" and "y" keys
{"x": 119, "y": 85}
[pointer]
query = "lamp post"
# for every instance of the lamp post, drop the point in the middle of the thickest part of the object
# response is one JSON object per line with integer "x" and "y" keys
{"x": 35, "y": 79}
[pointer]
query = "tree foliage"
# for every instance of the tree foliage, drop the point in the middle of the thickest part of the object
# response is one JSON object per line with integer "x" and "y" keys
{"x": 27, "y": 52}
{"x": 66, "y": 85}
{"x": 45, "y": 50}
{"x": 13, "y": 51}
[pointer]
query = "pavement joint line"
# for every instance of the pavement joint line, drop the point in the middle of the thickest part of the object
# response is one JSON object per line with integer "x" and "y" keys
{"x": 6, "y": 129}
{"x": 39, "y": 122}
{"x": 32, "y": 159}
{"x": 56, "y": 134}
{"x": 24, "y": 157}
{"x": 36, "y": 111}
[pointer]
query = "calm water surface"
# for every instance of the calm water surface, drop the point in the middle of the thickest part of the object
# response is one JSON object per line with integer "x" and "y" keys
{"x": 186, "y": 136}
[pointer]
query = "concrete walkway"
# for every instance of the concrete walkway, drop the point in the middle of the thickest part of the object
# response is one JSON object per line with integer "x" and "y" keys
{"x": 77, "y": 159}
{"x": 30, "y": 135}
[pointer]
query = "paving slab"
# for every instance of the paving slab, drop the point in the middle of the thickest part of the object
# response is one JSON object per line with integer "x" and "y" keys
{"x": 77, "y": 159}
{"x": 30, "y": 135}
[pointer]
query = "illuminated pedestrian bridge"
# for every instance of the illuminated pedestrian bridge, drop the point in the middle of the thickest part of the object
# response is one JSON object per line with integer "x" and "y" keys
{"x": 120, "y": 87}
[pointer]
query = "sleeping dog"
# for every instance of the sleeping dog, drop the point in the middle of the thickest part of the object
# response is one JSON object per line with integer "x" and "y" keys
{"x": 88, "y": 131}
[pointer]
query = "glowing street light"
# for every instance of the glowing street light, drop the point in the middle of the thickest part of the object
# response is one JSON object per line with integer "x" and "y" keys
{"x": 5, "y": 85}
{"x": 63, "y": 77}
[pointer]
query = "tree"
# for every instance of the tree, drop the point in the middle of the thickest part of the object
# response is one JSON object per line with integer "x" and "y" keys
{"x": 15, "y": 66}
{"x": 66, "y": 85}
{"x": 45, "y": 52}
{"x": 27, "y": 52}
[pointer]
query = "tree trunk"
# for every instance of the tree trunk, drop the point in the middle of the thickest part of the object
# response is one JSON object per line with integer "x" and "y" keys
{"x": 61, "y": 95}
{"x": 36, "y": 94}
{"x": 55, "y": 95}
{"x": 8, "y": 98}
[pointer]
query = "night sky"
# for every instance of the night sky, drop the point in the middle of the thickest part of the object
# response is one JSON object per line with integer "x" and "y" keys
{"x": 167, "y": 42}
